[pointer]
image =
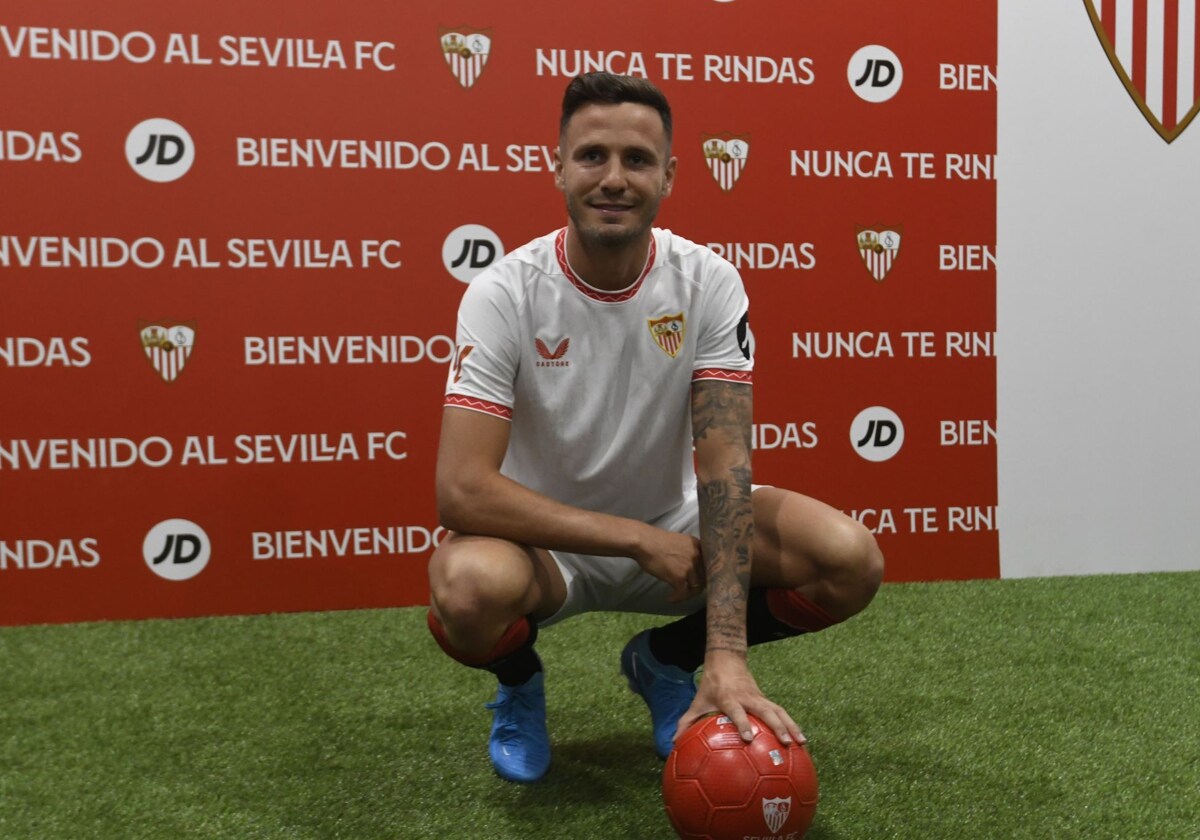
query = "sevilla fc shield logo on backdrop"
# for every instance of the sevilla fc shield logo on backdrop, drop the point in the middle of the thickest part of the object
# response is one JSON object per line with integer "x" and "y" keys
{"x": 775, "y": 812}
{"x": 1152, "y": 45}
{"x": 726, "y": 158}
{"x": 879, "y": 246}
{"x": 168, "y": 346}
{"x": 668, "y": 332}
{"x": 466, "y": 52}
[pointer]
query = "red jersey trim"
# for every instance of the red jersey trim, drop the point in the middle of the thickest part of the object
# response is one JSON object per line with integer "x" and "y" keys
{"x": 723, "y": 375}
{"x": 475, "y": 404}
{"x": 560, "y": 251}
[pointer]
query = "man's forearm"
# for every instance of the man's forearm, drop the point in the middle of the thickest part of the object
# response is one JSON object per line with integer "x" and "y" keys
{"x": 497, "y": 506}
{"x": 721, "y": 414}
{"x": 726, "y": 529}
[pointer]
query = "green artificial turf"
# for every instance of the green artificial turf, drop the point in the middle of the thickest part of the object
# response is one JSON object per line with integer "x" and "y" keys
{"x": 1057, "y": 708}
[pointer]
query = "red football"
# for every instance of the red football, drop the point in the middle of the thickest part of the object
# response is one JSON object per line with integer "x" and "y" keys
{"x": 718, "y": 787}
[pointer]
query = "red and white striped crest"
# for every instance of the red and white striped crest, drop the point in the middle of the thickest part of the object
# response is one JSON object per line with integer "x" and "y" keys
{"x": 1152, "y": 45}
{"x": 775, "y": 812}
{"x": 879, "y": 247}
{"x": 726, "y": 158}
{"x": 168, "y": 346}
{"x": 466, "y": 52}
{"x": 668, "y": 332}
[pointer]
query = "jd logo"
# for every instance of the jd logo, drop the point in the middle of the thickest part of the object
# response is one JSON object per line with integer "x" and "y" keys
{"x": 176, "y": 549}
{"x": 479, "y": 252}
{"x": 877, "y": 433}
{"x": 879, "y": 72}
{"x": 875, "y": 73}
{"x": 165, "y": 149}
{"x": 470, "y": 249}
{"x": 160, "y": 150}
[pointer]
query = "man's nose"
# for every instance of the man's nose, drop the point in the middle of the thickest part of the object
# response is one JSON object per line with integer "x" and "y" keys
{"x": 614, "y": 176}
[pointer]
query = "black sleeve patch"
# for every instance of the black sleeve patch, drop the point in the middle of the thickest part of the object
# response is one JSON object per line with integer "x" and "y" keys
{"x": 745, "y": 338}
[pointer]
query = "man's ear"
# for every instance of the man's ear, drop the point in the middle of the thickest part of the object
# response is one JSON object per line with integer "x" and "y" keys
{"x": 669, "y": 180}
{"x": 558, "y": 169}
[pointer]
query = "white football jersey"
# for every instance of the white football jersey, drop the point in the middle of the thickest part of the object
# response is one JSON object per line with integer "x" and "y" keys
{"x": 596, "y": 384}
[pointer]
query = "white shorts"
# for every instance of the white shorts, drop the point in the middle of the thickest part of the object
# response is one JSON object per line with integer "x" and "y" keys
{"x": 618, "y": 584}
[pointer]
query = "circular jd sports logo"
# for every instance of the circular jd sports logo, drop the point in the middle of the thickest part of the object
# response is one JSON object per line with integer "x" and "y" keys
{"x": 875, "y": 73}
{"x": 470, "y": 249}
{"x": 176, "y": 549}
{"x": 160, "y": 150}
{"x": 877, "y": 433}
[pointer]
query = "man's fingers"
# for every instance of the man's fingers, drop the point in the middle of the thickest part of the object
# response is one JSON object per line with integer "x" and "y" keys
{"x": 699, "y": 709}
{"x": 781, "y": 723}
{"x": 741, "y": 720}
{"x": 685, "y": 723}
{"x": 785, "y": 729}
{"x": 681, "y": 592}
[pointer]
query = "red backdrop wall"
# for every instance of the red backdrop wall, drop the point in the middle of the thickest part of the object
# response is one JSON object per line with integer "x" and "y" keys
{"x": 223, "y": 338}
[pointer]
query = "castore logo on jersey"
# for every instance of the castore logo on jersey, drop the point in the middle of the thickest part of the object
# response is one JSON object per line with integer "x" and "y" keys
{"x": 552, "y": 358}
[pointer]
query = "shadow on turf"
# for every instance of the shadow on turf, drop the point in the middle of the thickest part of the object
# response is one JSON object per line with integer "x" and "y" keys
{"x": 615, "y": 780}
{"x": 597, "y": 771}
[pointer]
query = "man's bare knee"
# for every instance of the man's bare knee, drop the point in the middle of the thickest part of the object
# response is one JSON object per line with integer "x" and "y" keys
{"x": 477, "y": 592}
{"x": 854, "y": 565}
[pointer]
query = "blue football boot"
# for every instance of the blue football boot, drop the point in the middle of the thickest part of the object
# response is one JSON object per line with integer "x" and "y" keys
{"x": 520, "y": 744}
{"x": 667, "y": 690}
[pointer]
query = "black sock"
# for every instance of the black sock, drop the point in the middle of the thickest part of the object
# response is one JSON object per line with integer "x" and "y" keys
{"x": 517, "y": 668}
{"x": 761, "y": 624}
{"x": 681, "y": 643}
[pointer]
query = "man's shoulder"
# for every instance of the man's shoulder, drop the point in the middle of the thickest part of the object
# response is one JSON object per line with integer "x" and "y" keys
{"x": 537, "y": 256}
{"x": 691, "y": 257}
{"x": 511, "y": 275}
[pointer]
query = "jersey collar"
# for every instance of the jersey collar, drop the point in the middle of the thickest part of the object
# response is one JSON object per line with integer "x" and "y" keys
{"x": 560, "y": 250}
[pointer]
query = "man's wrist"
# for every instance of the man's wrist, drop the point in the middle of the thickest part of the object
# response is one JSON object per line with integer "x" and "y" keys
{"x": 637, "y": 539}
{"x": 724, "y": 655}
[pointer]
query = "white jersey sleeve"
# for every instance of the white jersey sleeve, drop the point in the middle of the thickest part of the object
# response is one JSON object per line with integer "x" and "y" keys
{"x": 724, "y": 345}
{"x": 487, "y": 356}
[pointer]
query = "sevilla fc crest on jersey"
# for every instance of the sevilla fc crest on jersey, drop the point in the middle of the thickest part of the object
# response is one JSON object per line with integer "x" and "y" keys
{"x": 775, "y": 812}
{"x": 668, "y": 332}
{"x": 168, "y": 345}
{"x": 726, "y": 158}
{"x": 1153, "y": 45}
{"x": 879, "y": 246}
{"x": 466, "y": 52}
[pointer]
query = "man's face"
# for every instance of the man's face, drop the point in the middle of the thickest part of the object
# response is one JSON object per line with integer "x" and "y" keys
{"x": 614, "y": 167}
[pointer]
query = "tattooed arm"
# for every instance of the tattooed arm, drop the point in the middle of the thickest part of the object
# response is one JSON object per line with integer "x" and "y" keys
{"x": 721, "y": 414}
{"x": 721, "y": 426}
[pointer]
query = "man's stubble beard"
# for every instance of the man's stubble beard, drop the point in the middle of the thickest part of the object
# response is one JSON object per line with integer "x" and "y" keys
{"x": 606, "y": 236}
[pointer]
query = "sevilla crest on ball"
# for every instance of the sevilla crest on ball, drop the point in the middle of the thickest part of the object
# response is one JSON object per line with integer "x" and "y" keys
{"x": 718, "y": 787}
{"x": 466, "y": 52}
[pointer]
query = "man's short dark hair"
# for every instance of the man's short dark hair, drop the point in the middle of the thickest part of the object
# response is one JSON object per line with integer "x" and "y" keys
{"x": 611, "y": 89}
